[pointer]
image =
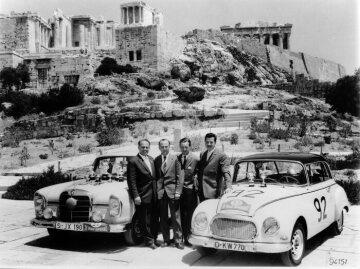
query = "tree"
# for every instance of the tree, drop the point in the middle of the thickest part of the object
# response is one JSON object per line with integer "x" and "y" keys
{"x": 344, "y": 95}
{"x": 17, "y": 77}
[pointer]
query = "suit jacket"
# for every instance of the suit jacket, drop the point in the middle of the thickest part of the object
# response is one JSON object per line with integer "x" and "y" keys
{"x": 140, "y": 180}
{"x": 189, "y": 170}
{"x": 214, "y": 174}
{"x": 168, "y": 181}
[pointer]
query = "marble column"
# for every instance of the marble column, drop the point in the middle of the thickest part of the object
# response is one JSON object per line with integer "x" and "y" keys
{"x": 261, "y": 39}
{"x": 56, "y": 34}
{"x": 68, "y": 37}
{"x": 113, "y": 36}
{"x": 281, "y": 36}
{"x": 127, "y": 15}
{"x": 141, "y": 14}
{"x": 101, "y": 34}
{"x": 271, "y": 39}
{"x": 82, "y": 35}
{"x": 288, "y": 40}
{"x": 133, "y": 14}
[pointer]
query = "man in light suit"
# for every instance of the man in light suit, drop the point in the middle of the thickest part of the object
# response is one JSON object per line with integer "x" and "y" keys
{"x": 214, "y": 173}
{"x": 169, "y": 189}
{"x": 141, "y": 178}
{"x": 188, "y": 199}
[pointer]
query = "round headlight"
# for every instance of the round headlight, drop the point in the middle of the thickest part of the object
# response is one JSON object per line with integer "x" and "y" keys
{"x": 270, "y": 226}
{"x": 48, "y": 213}
{"x": 200, "y": 221}
{"x": 39, "y": 204}
{"x": 96, "y": 216}
{"x": 114, "y": 206}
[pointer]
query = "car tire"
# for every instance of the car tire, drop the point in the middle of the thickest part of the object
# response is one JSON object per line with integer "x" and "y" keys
{"x": 133, "y": 234}
{"x": 206, "y": 251}
{"x": 294, "y": 256}
{"x": 338, "y": 226}
{"x": 58, "y": 235}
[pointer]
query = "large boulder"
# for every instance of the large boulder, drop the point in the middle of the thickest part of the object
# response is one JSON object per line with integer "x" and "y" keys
{"x": 181, "y": 71}
{"x": 152, "y": 83}
{"x": 190, "y": 94}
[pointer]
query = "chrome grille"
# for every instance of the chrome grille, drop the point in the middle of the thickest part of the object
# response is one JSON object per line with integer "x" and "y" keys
{"x": 233, "y": 228}
{"x": 81, "y": 212}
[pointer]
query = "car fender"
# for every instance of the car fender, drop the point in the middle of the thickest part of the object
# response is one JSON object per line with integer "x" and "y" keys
{"x": 209, "y": 208}
{"x": 341, "y": 200}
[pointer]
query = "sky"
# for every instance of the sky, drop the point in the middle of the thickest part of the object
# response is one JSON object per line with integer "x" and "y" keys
{"x": 329, "y": 29}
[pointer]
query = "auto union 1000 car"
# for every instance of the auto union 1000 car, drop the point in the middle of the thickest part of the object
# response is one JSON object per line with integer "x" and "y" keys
{"x": 278, "y": 201}
{"x": 100, "y": 202}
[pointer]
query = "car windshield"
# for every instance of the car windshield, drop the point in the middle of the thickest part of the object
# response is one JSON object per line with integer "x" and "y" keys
{"x": 111, "y": 165}
{"x": 272, "y": 172}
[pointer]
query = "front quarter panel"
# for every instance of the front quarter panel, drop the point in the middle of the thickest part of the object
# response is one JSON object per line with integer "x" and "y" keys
{"x": 341, "y": 200}
{"x": 209, "y": 208}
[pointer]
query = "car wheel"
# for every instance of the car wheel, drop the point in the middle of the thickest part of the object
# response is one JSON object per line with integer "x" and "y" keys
{"x": 338, "y": 226}
{"x": 133, "y": 234}
{"x": 58, "y": 234}
{"x": 206, "y": 251}
{"x": 294, "y": 256}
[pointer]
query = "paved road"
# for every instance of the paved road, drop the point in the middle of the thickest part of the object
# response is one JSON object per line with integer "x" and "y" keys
{"x": 23, "y": 245}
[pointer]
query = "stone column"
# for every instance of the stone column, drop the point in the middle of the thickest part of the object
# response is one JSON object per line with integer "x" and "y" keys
{"x": 113, "y": 36}
{"x": 56, "y": 34}
{"x": 68, "y": 37}
{"x": 271, "y": 39}
{"x": 82, "y": 35}
{"x": 127, "y": 16}
{"x": 133, "y": 14}
{"x": 37, "y": 36}
{"x": 288, "y": 40}
{"x": 261, "y": 39}
{"x": 281, "y": 36}
{"x": 101, "y": 34}
{"x": 141, "y": 14}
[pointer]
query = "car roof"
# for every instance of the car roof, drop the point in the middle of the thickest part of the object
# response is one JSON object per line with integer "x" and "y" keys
{"x": 291, "y": 156}
{"x": 111, "y": 156}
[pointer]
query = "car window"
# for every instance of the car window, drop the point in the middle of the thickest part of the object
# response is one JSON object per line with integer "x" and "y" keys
{"x": 317, "y": 172}
{"x": 273, "y": 172}
{"x": 111, "y": 165}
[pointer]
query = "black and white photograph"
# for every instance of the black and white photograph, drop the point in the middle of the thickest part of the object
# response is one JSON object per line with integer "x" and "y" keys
{"x": 178, "y": 133}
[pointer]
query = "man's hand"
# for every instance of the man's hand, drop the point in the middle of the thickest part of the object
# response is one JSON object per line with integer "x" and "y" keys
{"x": 177, "y": 196}
{"x": 137, "y": 200}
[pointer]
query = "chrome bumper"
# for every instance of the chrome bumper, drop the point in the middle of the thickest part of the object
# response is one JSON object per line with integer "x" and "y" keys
{"x": 87, "y": 226}
{"x": 207, "y": 242}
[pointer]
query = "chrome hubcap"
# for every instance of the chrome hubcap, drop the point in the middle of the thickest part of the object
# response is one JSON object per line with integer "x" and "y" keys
{"x": 297, "y": 245}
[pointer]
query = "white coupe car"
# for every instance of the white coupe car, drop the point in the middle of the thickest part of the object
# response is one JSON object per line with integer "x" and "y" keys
{"x": 278, "y": 201}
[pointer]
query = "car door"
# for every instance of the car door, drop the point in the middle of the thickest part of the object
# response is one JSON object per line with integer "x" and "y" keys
{"x": 322, "y": 213}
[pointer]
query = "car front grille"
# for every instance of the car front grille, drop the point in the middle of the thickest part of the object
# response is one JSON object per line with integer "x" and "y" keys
{"x": 80, "y": 212}
{"x": 233, "y": 228}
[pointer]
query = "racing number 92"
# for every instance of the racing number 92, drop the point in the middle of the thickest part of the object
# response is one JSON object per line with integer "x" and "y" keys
{"x": 320, "y": 207}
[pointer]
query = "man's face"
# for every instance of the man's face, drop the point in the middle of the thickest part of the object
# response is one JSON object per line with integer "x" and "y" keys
{"x": 185, "y": 148}
{"x": 164, "y": 147}
{"x": 144, "y": 148}
{"x": 210, "y": 143}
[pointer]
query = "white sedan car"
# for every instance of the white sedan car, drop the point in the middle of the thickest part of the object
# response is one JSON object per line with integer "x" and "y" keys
{"x": 278, "y": 201}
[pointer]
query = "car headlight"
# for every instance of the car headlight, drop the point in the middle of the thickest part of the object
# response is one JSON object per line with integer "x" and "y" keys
{"x": 114, "y": 206}
{"x": 200, "y": 221}
{"x": 48, "y": 213}
{"x": 97, "y": 216}
{"x": 39, "y": 203}
{"x": 270, "y": 226}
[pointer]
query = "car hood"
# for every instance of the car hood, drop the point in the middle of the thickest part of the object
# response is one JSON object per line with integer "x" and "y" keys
{"x": 100, "y": 192}
{"x": 245, "y": 200}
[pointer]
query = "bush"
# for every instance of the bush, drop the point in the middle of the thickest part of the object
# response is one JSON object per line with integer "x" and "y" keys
{"x": 351, "y": 161}
{"x": 251, "y": 73}
{"x": 109, "y": 66}
{"x": 108, "y": 137}
{"x": 252, "y": 136}
{"x": 17, "y": 77}
{"x": 25, "y": 188}
{"x": 319, "y": 143}
{"x": 234, "y": 139}
{"x": 69, "y": 145}
{"x": 197, "y": 142}
{"x": 278, "y": 133}
{"x": 352, "y": 190}
{"x": 44, "y": 156}
{"x": 304, "y": 141}
{"x": 258, "y": 141}
{"x": 165, "y": 128}
{"x": 96, "y": 100}
{"x": 85, "y": 148}
{"x": 151, "y": 95}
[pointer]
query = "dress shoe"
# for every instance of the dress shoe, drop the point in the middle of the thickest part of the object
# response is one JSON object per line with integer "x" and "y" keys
{"x": 165, "y": 244}
{"x": 187, "y": 244}
{"x": 157, "y": 243}
{"x": 152, "y": 246}
{"x": 179, "y": 245}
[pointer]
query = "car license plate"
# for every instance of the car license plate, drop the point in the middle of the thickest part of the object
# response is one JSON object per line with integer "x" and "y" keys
{"x": 69, "y": 226}
{"x": 229, "y": 246}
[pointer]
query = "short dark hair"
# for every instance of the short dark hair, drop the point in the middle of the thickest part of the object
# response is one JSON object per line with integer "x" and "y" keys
{"x": 184, "y": 140}
{"x": 164, "y": 139}
{"x": 210, "y": 135}
{"x": 142, "y": 140}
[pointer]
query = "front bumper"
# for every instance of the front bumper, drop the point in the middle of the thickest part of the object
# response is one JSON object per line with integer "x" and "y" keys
{"x": 207, "y": 242}
{"x": 86, "y": 226}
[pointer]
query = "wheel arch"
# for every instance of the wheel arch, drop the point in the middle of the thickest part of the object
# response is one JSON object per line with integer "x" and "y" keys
{"x": 301, "y": 220}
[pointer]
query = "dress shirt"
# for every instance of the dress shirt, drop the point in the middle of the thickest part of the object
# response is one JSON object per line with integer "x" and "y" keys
{"x": 209, "y": 153}
{"x": 147, "y": 162}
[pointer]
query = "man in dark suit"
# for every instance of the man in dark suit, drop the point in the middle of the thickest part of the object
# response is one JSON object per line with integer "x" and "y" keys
{"x": 169, "y": 188}
{"x": 141, "y": 178}
{"x": 213, "y": 174}
{"x": 188, "y": 199}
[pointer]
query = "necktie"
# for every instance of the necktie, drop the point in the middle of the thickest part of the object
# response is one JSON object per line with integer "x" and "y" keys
{"x": 184, "y": 161}
{"x": 163, "y": 166}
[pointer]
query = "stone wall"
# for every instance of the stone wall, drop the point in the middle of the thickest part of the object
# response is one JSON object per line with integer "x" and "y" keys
{"x": 14, "y": 34}
{"x": 95, "y": 118}
{"x": 9, "y": 59}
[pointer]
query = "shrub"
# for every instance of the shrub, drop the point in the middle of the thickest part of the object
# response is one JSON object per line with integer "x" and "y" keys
{"x": 96, "y": 100}
{"x": 17, "y": 77}
{"x": 109, "y": 65}
{"x": 69, "y": 145}
{"x": 108, "y": 137}
{"x": 24, "y": 189}
{"x": 197, "y": 142}
{"x": 121, "y": 103}
{"x": 258, "y": 141}
{"x": 252, "y": 136}
{"x": 44, "y": 156}
{"x": 234, "y": 139}
{"x": 151, "y": 95}
{"x": 85, "y": 148}
{"x": 251, "y": 73}
{"x": 352, "y": 190}
{"x": 319, "y": 143}
{"x": 165, "y": 128}
{"x": 278, "y": 133}
{"x": 304, "y": 141}
{"x": 351, "y": 161}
